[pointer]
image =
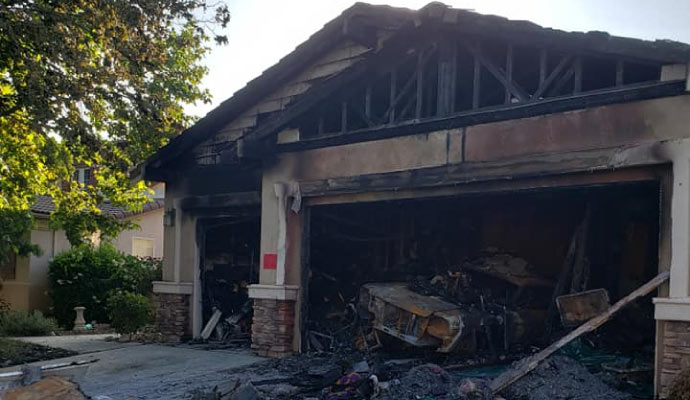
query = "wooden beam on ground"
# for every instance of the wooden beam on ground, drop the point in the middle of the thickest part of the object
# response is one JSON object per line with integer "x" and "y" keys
{"x": 552, "y": 77}
{"x": 529, "y": 364}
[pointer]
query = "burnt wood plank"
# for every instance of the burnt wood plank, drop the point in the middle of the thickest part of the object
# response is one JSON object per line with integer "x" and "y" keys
{"x": 473, "y": 172}
{"x": 530, "y": 363}
{"x": 543, "y": 59}
{"x": 552, "y": 77}
{"x": 577, "y": 67}
{"x": 447, "y": 76}
{"x": 372, "y": 67}
{"x": 562, "y": 82}
{"x": 476, "y": 82}
{"x": 224, "y": 200}
{"x": 493, "y": 114}
{"x": 343, "y": 116}
{"x": 390, "y": 113}
{"x": 620, "y": 69}
{"x": 420, "y": 87}
{"x": 498, "y": 73}
{"x": 509, "y": 72}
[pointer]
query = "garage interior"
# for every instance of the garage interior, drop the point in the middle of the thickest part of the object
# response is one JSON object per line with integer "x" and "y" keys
{"x": 229, "y": 263}
{"x": 501, "y": 259}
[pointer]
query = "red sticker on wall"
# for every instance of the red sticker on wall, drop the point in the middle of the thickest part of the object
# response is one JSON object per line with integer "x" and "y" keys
{"x": 270, "y": 261}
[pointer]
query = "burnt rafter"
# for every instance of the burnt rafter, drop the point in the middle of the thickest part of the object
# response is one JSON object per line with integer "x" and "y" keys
{"x": 498, "y": 72}
{"x": 544, "y": 85}
{"x": 422, "y": 74}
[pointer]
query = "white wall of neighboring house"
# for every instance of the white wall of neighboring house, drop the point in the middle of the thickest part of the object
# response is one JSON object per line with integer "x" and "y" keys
{"x": 28, "y": 289}
{"x": 150, "y": 230}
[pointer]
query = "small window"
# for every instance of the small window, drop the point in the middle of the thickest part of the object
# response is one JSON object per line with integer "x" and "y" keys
{"x": 8, "y": 268}
{"x": 142, "y": 247}
{"x": 83, "y": 175}
{"x": 86, "y": 179}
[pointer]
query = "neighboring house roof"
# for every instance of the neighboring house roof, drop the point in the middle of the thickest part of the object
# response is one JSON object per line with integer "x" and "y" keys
{"x": 390, "y": 18}
{"x": 44, "y": 206}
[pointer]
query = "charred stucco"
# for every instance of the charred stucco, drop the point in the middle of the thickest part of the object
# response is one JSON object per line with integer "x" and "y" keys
{"x": 608, "y": 126}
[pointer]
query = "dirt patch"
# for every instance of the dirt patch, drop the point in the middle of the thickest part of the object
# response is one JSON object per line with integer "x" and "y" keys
{"x": 15, "y": 352}
{"x": 561, "y": 377}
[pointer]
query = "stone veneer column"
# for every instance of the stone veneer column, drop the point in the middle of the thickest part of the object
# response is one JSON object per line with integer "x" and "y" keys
{"x": 171, "y": 303}
{"x": 675, "y": 353}
{"x": 273, "y": 327}
{"x": 273, "y": 323}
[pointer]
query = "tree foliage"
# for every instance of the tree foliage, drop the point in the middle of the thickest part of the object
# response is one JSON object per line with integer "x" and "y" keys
{"x": 93, "y": 83}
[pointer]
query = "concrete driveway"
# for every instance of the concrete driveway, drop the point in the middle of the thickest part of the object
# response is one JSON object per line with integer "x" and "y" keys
{"x": 145, "y": 371}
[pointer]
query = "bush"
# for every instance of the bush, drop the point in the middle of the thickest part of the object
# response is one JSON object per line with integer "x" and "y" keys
{"x": 129, "y": 311}
{"x": 86, "y": 276}
{"x": 22, "y": 323}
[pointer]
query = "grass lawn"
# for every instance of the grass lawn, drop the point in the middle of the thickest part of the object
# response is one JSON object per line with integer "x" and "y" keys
{"x": 14, "y": 352}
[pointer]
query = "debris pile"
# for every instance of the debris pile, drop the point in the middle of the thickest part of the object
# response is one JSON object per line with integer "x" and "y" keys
{"x": 561, "y": 377}
{"x": 304, "y": 377}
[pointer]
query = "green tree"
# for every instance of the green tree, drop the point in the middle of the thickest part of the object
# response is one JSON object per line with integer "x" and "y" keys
{"x": 92, "y": 83}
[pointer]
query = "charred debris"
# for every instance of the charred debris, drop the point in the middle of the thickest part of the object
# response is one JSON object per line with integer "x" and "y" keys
{"x": 442, "y": 298}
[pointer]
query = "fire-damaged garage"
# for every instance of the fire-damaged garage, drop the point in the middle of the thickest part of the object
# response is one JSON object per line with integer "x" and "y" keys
{"x": 438, "y": 183}
{"x": 480, "y": 272}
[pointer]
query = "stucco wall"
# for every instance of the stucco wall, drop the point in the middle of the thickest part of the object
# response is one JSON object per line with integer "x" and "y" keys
{"x": 150, "y": 227}
{"x": 29, "y": 290}
{"x": 599, "y": 127}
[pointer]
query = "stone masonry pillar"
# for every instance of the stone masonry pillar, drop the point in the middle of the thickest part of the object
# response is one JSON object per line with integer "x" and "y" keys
{"x": 171, "y": 303}
{"x": 274, "y": 319}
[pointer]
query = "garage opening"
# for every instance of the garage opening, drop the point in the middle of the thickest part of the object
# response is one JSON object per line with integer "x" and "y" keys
{"x": 229, "y": 263}
{"x": 489, "y": 277}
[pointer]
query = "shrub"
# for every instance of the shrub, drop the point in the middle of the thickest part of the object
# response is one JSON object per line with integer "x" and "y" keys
{"x": 86, "y": 276}
{"x": 129, "y": 311}
{"x": 22, "y": 323}
{"x": 4, "y": 306}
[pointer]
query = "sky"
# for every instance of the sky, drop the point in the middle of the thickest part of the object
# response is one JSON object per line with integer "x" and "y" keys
{"x": 261, "y": 32}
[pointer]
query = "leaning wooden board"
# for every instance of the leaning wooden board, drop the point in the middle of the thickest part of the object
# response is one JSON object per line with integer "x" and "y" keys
{"x": 530, "y": 363}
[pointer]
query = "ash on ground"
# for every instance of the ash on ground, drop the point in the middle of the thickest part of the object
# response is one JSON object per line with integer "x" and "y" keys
{"x": 349, "y": 377}
{"x": 561, "y": 377}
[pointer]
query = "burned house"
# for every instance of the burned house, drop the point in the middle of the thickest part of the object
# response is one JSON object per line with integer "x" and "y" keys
{"x": 458, "y": 181}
